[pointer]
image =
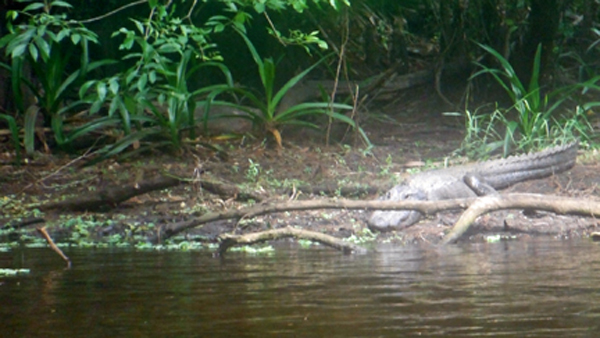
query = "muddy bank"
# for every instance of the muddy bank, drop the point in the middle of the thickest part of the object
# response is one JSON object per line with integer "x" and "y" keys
{"x": 297, "y": 172}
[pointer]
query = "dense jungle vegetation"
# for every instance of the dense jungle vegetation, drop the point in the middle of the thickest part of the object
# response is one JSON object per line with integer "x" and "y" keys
{"x": 114, "y": 78}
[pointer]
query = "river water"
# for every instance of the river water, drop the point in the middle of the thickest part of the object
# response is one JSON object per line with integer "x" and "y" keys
{"x": 539, "y": 288}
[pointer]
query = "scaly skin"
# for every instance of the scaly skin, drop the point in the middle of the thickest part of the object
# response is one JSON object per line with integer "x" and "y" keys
{"x": 449, "y": 183}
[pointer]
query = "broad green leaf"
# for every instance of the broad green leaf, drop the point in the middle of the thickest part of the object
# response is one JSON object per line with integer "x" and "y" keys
{"x": 268, "y": 79}
{"x": 75, "y": 38}
{"x": 239, "y": 21}
{"x": 18, "y": 51}
{"x": 59, "y": 3}
{"x": 299, "y": 6}
{"x": 113, "y": 84}
{"x": 65, "y": 85}
{"x": 152, "y": 76}
{"x": 101, "y": 90}
{"x": 142, "y": 81}
{"x": 293, "y": 81}
{"x": 85, "y": 87}
{"x": 95, "y": 107}
{"x": 114, "y": 105}
{"x": 57, "y": 129}
{"x": 139, "y": 26}
{"x": 33, "y": 52}
{"x": 33, "y": 7}
{"x": 259, "y": 7}
{"x": 87, "y": 128}
{"x": 219, "y": 28}
{"x": 43, "y": 47}
{"x": 16, "y": 81}
{"x": 13, "y": 15}
{"x": 6, "y": 39}
{"x": 129, "y": 78}
{"x": 62, "y": 34}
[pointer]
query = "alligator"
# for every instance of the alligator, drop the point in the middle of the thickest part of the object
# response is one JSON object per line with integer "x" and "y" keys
{"x": 472, "y": 180}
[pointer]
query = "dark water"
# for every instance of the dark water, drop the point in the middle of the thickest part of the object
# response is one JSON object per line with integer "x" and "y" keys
{"x": 545, "y": 288}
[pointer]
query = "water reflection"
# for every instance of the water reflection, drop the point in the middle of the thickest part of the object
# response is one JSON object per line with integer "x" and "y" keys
{"x": 545, "y": 288}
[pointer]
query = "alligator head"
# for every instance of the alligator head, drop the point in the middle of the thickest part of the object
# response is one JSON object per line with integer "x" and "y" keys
{"x": 384, "y": 220}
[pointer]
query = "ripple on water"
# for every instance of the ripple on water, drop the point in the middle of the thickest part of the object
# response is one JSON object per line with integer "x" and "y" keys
{"x": 543, "y": 288}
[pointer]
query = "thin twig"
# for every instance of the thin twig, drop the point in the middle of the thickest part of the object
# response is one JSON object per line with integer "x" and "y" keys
{"x": 337, "y": 74}
{"x": 59, "y": 169}
{"x": 53, "y": 246}
{"x": 113, "y": 12}
{"x": 189, "y": 14}
{"x": 274, "y": 29}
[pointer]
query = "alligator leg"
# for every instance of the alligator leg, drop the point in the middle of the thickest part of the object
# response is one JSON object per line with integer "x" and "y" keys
{"x": 478, "y": 185}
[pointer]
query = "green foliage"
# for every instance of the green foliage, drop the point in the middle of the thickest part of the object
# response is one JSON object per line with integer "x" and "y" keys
{"x": 152, "y": 98}
{"x": 253, "y": 171}
{"x": 260, "y": 6}
{"x": 14, "y": 131}
{"x": 149, "y": 101}
{"x": 536, "y": 123}
{"x": 267, "y": 116}
{"x": 362, "y": 236}
{"x": 46, "y": 43}
{"x": 13, "y": 272}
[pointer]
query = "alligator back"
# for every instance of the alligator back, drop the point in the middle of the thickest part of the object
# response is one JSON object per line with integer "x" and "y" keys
{"x": 449, "y": 183}
{"x": 499, "y": 174}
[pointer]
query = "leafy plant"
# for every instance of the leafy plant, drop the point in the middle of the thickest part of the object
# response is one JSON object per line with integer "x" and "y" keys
{"x": 536, "y": 123}
{"x": 267, "y": 116}
{"x": 152, "y": 98}
{"x": 14, "y": 130}
{"x": 46, "y": 43}
{"x": 253, "y": 171}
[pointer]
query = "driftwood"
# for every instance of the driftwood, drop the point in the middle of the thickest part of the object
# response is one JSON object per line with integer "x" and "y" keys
{"x": 486, "y": 204}
{"x": 228, "y": 240}
{"x": 111, "y": 196}
{"x": 426, "y": 207}
{"x": 333, "y": 189}
{"x": 560, "y": 205}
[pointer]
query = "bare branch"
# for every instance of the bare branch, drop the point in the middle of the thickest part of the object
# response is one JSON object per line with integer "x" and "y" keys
{"x": 113, "y": 12}
{"x": 426, "y": 207}
{"x": 486, "y": 204}
{"x": 229, "y": 240}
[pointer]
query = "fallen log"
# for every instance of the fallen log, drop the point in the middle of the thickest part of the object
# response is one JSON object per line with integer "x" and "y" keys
{"x": 229, "y": 240}
{"x": 111, "y": 196}
{"x": 333, "y": 189}
{"x": 486, "y": 204}
{"x": 560, "y": 205}
{"x": 426, "y": 207}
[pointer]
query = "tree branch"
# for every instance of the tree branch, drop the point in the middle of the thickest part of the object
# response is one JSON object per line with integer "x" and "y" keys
{"x": 560, "y": 205}
{"x": 229, "y": 240}
{"x": 486, "y": 204}
{"x": 113, "y": 12}
{"x": 426, "y": 207}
